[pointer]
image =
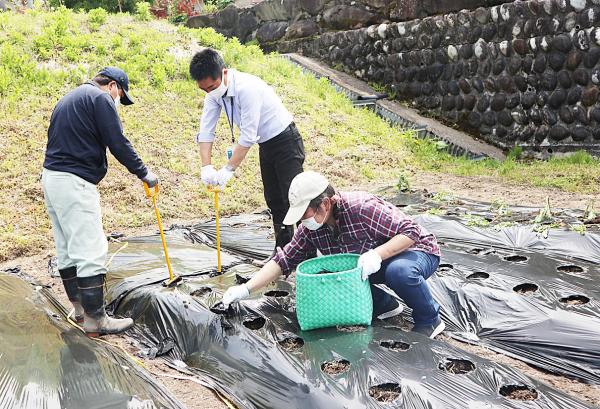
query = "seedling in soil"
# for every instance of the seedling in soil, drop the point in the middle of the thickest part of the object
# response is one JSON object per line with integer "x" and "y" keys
{"x": 579, "y": 228}
{"x": 570, "y": 269}
{"x": 277, "y": 293}
{"x": 385, "y": 393}
{"x": 458, "y": 366}
{"x": 291, "y": 343}
{"x": 575, "y": 300}
{"x": 478, "y": 275}
{"x": 255, "y": 323}
{"x": 545, "y": 215}
{"x": 201, "y": 292}
{"x": 336, "y": 367}
{"x": 515, "y": 258}
{"x": 395, "y": 345}
{"x": 351, "y": 328}
{"x": 526, "y": 288}
{"x": 519, "y": 392}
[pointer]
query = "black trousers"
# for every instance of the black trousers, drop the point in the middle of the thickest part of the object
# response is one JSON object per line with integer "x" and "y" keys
{"x": 281, "y": 159}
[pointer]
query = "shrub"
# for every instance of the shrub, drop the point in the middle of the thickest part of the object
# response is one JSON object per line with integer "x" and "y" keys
{"x": 143, "y": 11}
{"x": 97, "y": 17}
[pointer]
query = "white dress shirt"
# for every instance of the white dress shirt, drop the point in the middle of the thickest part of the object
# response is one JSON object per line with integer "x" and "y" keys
{"x": 257, "y": 110}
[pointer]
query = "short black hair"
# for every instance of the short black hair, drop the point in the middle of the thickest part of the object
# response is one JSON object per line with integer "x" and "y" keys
{"x": 207, "y": 63}
{"x": 316, "y": 202}
{"x": 103, "y": 80}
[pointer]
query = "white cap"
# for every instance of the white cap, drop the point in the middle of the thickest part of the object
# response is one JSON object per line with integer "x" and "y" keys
{"x": 304, "y": 187}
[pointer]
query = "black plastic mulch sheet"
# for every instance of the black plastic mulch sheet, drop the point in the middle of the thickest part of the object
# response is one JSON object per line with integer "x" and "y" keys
{"x": 514, "y": 292}
{"x": 256, "y": 354}
{"x": 46, "y": 363}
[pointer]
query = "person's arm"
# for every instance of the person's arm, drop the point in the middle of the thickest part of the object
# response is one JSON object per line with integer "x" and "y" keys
{"x": 208, "y": 124}
{"x": 111, "y": 134}
{"x": 267, "y": 274}
{"x": 284, "y": 261}
{"x": 394, "y": 246}
{"x": 239, "y": 153}
{"x": 389, "y": 225}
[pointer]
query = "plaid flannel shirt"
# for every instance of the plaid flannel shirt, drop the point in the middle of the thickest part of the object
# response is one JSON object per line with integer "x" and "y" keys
{"x": 364, "y": 223}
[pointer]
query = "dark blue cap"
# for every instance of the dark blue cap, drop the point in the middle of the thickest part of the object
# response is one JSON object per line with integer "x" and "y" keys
{"x": 118, "y": 75}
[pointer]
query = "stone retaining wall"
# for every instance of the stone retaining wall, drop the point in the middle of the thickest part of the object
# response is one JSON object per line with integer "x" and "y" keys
{"x": 523, "y": 73}
{"x": 272, "y": 20}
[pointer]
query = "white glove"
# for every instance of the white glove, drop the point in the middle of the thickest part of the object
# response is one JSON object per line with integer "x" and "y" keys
{"x": 234, "y": 294}
{"x": 223, "y": 176}
{"x": 370, "y": 262}
{"x": 208, "y": 174}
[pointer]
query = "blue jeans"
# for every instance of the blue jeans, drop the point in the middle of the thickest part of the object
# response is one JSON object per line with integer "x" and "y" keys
{"x": 406, "y": 274}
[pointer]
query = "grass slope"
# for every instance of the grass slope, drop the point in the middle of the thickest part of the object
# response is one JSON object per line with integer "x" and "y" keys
{"x": 43, "y": 55}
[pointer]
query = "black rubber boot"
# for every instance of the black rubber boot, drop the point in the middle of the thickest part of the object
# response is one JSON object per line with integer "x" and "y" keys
{"x": 96, "y": 322}
{"x": 69, "y": 280}
{"x": 284, "y": 236}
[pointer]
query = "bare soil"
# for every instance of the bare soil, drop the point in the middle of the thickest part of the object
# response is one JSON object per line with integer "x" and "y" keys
{"x": 335, "y": 367}
{"x": 488, "y": 189}
{"x": 385, "y": 393}
{"x": 291, "y": 343}
{"x": 518, "y": 392}
{"x": 351, "y": 328}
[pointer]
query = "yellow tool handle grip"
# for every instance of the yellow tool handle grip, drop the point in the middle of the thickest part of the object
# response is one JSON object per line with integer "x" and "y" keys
{"x": 147, "y": 190}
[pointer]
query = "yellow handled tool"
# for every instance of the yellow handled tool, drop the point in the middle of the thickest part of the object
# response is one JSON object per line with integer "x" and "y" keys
{"x": 173, "y": 280}
{"x": 216, "y": 190}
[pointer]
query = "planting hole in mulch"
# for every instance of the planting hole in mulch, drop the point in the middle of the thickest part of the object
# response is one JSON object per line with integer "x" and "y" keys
{"x": 478, "y": 275}
{"x": 201, "y": 292}
{"x": 526, "y": 288}
{"x": 518, "y": 392}
{"x": 291, "y": 343}
{"x": 395, "y": 345}
{"x": 570, "y": 269}
{"x": 457, "y": 366}
{"x": 386, "y": 392}
{"x": 351, "y": 328}
{"x": 241, "y": 279}
{"x": 277, "y": 293}
{"x": 575, "y": 299}
{"x": 445, "y": 267}
{"x": 475, "y": 250}
{"x": 255, "y": 323}
{"x": 336, "y": 367}
{"x": 515, "y": 258}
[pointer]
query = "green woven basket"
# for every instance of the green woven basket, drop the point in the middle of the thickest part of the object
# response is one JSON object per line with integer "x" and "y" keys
{"x": 338, "y": 298}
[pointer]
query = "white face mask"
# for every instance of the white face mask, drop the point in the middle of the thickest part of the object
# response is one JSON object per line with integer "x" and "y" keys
{"x": 117, "y": 100}
{"x": 221, "y": 89}
{"x": 311, "y": 223}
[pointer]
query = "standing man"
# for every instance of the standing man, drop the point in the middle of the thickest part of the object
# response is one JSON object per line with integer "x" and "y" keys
{"x": 83, "y": 124}
{"x": 262, "y": 119}
{"x": 394, "y": 250}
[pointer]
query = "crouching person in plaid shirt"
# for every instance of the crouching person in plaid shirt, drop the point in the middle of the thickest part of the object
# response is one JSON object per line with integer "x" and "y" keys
{"x": 394, "y": 250}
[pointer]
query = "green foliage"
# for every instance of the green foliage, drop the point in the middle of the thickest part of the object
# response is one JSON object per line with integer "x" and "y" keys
{"x": 403, "y": 184}
{"x": 96, "y": 18}
{"x": 217, "y": 4}
{"x": 476, "y": 221}
{"x": 515, "y": 153}
{"x": 143, "y": 11}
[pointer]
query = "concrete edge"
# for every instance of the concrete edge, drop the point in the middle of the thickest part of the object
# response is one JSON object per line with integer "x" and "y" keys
{"x": 362, "y": 94}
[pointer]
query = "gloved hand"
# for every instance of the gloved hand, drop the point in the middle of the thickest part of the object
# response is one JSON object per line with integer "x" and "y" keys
{"x": 208, "y": 175}
{"x": 151, "y": 179}
{"x": 370, "y": 262}
{"x": 223, "y": 176}
{"x": 234, "y": 294}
